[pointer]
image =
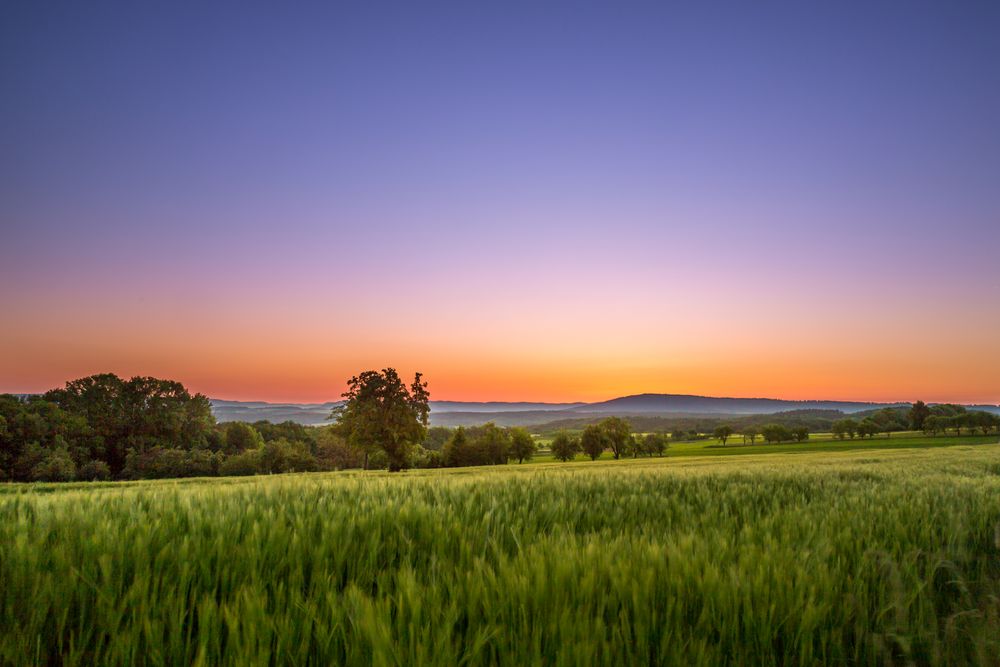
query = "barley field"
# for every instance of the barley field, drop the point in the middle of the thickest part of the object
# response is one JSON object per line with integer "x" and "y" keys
{"x": 855, "y": 558}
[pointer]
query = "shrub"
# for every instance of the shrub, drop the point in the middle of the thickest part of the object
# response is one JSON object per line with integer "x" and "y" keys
{"x": 164, "y": 462}
{"x": 57, "y": 466}
{"x": 245, "y": 463}
{"x": 94, "y": 471}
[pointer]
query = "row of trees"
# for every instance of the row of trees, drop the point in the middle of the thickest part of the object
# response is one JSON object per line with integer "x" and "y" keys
{"x": 920, "y": 417}
{"x": 612, "y": 434}
{"x": 104, "y": 427}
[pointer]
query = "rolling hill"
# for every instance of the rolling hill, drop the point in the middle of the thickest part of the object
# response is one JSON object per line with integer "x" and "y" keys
{"x": 455, "y": 413}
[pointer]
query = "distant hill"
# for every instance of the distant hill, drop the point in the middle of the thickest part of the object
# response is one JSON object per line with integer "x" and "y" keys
{"x": 706, "y": 405}
{"x": 312, "y": 414}
{"x": 467, "y": 413}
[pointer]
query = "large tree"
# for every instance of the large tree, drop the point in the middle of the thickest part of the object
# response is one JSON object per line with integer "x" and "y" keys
{"x": 137, "y": 414}
{"x": 380, "y": 412}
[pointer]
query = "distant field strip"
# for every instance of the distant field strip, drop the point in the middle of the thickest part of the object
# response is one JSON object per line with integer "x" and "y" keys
{"x": 871, "y": 557}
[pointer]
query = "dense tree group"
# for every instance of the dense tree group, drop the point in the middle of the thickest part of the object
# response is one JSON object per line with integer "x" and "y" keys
{"x": 488, "y": 444}
{"x": 104, "y": 427}
{"x": 920, "y": 417}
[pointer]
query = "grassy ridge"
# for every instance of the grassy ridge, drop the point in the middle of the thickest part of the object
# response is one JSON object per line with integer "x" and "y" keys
{"x": 830, "y": 558}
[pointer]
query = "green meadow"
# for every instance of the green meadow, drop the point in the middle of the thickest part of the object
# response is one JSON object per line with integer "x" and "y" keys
{"x": 883, "y": 555}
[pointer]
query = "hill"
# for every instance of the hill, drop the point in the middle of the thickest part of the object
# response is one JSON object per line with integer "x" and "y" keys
{"x": 466, "y": 413}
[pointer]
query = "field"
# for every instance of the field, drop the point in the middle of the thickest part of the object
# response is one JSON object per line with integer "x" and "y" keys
{"x": 866, "y": 557}
{"x": 818, "y": 442}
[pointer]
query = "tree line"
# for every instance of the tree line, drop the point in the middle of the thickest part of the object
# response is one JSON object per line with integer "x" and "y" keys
{"x": 931, "y": 419}
{"x": 103, "y": 427}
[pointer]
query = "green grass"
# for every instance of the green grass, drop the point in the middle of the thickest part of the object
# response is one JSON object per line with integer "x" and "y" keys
{"x": 868, "y": 557}
{"x": 822, "y": 443}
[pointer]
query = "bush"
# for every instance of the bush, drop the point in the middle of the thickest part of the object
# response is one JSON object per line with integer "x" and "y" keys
{"x": 333, "y": 452}
{"x": 32, "y": 456}
{"x": 57, "y": 466}
{"x": 94, "y": 471}
{"x": 241, "y": 437}
{"x": 280, "y": 455}
{"x": 245, "y": 463}
{"x": 425, "y": 458}
{"x": 163, "y": 462}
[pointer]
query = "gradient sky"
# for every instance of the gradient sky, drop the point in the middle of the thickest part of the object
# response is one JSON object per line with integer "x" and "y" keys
{"x": 523, "y": 200}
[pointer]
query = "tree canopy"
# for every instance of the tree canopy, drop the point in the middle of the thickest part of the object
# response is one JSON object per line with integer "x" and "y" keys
{"x": 381, "y": 413}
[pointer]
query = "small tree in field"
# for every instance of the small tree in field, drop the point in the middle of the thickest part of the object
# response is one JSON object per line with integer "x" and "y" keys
{"x": 722, "y": 433}
{"x": 655, "y": 443}
{"x": 618, "y": 433}
{"x": 918, "y": 414}
{"x": 593, "y": 441}
{"x": 522, "y": 446}
{"x": 564, "y": 447}
{"x": 380, "y": 413}
{"x": 801, "y": 433}
{"x": 750, "y": 433}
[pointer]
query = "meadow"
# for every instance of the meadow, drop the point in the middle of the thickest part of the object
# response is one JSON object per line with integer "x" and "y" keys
{"x": 865, "y": 557}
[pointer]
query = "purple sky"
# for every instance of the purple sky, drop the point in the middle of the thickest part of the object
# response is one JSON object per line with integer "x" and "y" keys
{"x": 506, "y": 177}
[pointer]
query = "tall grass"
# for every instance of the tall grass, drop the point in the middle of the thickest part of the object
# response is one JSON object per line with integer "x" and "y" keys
{"x": 866, "y": 558}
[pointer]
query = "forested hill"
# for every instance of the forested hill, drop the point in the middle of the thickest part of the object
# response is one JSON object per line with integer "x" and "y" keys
{"x": 454, "y": 413}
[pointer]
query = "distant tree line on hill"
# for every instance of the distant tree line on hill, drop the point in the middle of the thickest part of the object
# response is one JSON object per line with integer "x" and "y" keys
{"x": 103, "y": 427}
{"x": 932, "y": 420}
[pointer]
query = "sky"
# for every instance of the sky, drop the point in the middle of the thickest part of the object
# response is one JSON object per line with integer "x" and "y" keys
{"x": 523, "y": 200}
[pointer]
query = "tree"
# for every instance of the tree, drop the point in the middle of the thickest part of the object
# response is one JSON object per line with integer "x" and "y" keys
{"x": 137, "y": 414}
{"x": 241, "y": 436}
{"x": 594, "y": 441}
{"x": 436, "y": 437}
{"x": 618, "y": 433}
{"x": 775, "y": 433}
{"x": 334, "y": 453}
{"x": 750, "y": 433}
{"x": 722, "y": 433}
{"x": 380, "y": 413}
{"x": 494, "y": 444}
{"x": 522, "y": 445}
{"x": 457, "y": 451}
{"x": 800, "y": 433}
{"x": 867, "y": 428}
{"x": 57, "y": 466}
{"x": 655, "y": 443}
{"x": 933, "y": 424}
{"x": 844, "y": 428}
{"x": 918, "y": 414}
{"x": 564, "y": 447}
{"x": 984, "y": 421}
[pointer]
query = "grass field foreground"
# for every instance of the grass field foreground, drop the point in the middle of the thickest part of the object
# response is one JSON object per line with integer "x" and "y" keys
{"x": 869, "y": 557}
